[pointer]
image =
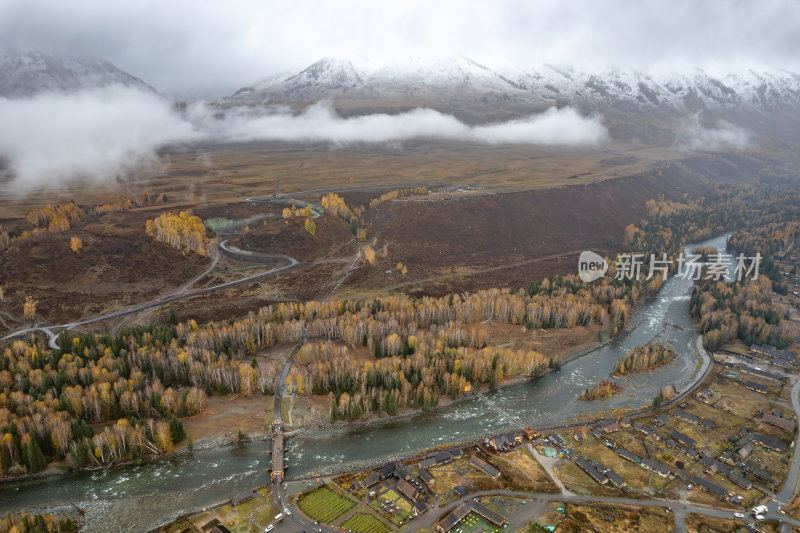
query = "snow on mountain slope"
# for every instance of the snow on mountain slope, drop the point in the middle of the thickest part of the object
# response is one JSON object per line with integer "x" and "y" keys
{"x": 459, "y": 77}
{"x": 418, "y": 79}
{"x": 683, "y": 91}
{"x": 26, "y": 73}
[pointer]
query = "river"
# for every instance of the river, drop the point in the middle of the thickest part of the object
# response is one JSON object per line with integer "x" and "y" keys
{"x": 136, "y": 498}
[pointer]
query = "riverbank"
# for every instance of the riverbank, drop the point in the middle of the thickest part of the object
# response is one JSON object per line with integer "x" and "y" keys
{"x": 505, "y": 383}
{"x": 358, "y": 467}
{"x": 218, "y": 426}
{"x": 361, "y": 466}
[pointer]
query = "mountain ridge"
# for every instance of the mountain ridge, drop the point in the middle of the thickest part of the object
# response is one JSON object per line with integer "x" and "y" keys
{"x": 26, "y": 73}
{"x": 686, "y": 91}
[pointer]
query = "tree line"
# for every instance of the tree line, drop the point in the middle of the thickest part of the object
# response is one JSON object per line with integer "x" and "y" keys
{"x": 35, "y": 523}
{"x": 398, "y": 193}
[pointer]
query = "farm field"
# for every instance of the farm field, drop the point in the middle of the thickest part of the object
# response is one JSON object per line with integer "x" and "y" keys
{"x": 474, "y": 523}
{"x": 324, "y": 505}
{"x": 364, "y": 523}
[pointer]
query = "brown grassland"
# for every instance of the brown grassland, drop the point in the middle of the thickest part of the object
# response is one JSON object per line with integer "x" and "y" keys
{"x": 564, "y": 200}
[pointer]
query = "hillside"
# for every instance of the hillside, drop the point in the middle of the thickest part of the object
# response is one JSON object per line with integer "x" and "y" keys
{"x": 26, "y": 73}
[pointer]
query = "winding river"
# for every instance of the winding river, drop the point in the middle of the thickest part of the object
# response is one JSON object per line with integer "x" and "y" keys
{"x": 137, "y": 498}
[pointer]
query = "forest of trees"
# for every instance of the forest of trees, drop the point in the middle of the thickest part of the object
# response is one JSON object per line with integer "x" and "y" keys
{"x": 35, "y": 523}
{"x": 57, "y": 217}
{"x": 51, "y": 399}
{"x": 727, "y": 311}
{"x": 733, "y": 208}
{"x": 131, "y": 385}
{"x": 292, "y": 211}
{"x": 413, "y": 373}
{"x": 769, "y": 240}
{"x": 764, "y": 218}
{"x": 354, "y": 216}
{"x": 644, "y": 358}
{"x": 182, "y": 231}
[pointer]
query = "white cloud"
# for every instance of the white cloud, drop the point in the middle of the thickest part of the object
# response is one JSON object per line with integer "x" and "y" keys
{"x": 321, "y": 123}
{"x": 93, "y": 135}
{"x": 563, "y": 126}
{"x": 723, "y": 135}
{"x": 102, "y": 134}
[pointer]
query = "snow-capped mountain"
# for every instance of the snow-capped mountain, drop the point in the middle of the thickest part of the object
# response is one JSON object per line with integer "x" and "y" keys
{"x": 26, "y": 73}
{"x": 634, "y": 105}
{"x": 421, "y": 80}
{"x": 690, "y": 91}
{"x": 453, "y": 78}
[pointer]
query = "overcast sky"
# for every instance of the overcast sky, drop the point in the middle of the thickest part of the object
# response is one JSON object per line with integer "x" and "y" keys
{"x": 194, "y": 48}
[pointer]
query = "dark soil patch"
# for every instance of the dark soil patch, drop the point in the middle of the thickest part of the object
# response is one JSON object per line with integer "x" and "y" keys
{"x": 240, "y": 210}
{"x": 332, "y": 239}
{"x": 118, "y": 265}
{"x": 509, "y": 239}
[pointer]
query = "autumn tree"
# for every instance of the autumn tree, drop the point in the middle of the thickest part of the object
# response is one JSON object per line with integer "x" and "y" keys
{"x": 310, "y": 226}
{"x": 29, "y": 308}
{"x": 75, "y": 244}
{"x": 369, "y": 255}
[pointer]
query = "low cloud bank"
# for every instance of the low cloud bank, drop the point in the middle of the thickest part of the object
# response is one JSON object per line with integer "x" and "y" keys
{"x": 101, "y": 135}
{"x": 320, "y": 123}
{"x": 97, "y": 135}
{"x": 723, "y": 135}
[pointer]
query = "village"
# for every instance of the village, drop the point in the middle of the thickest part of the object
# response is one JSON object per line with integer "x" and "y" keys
{"x": 728, "y": 445}
{"x": 725, "y": 445}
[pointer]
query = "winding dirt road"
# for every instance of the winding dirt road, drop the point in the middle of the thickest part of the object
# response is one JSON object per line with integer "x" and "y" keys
{"x": 283, "y": 263}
